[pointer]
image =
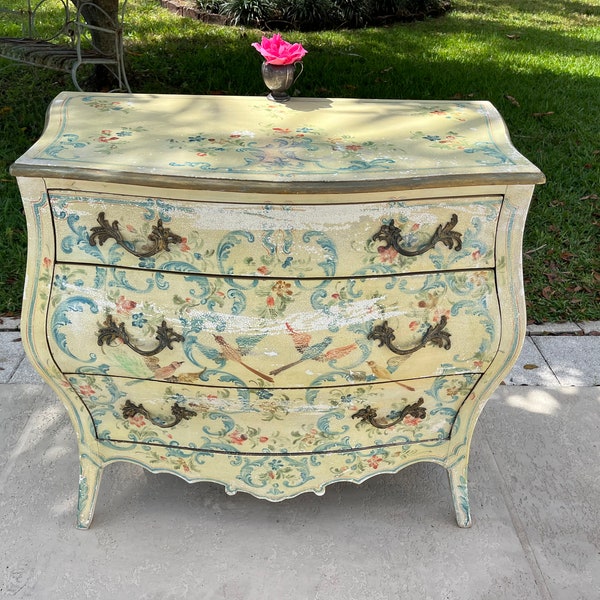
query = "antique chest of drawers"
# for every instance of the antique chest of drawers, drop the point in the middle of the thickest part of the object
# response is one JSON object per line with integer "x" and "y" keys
{"x": 273, "y": 297}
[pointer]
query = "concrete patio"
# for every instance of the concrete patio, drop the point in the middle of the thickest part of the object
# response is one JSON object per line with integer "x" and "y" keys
{"x": 534, "y": 487}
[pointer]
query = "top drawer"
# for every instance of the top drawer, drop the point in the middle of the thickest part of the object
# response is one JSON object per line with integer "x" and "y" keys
{"x": 382, "y": 235}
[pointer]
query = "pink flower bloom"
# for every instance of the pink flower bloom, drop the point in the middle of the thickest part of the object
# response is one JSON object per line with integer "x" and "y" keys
{"x": 276, "y": 51}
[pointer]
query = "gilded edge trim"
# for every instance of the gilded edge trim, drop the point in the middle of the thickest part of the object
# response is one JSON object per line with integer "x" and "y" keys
{"x": 23, "y": 169}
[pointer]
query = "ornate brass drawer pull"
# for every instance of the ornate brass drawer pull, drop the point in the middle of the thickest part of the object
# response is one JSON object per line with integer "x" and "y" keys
{"x": 392, "y": 235}
{"x": 369, "y": 415}
{"x": 160, "y": 236}
{"x": 434, "y": 335}
{"x": 179, "y": 412}
{"x": 113, "y": 331}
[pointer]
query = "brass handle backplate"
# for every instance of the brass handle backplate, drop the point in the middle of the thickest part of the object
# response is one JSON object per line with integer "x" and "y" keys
{"x": 116, "y": 331}
{"x": 179, "y": 413}
{"x": 160, "y": 237}
{"x": 369, "y": 415}
{"x": 445, "y": 234}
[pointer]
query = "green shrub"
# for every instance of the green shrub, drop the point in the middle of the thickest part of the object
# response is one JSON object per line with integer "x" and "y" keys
{"x": 313, "y": 15}
{"x": 248, "y": 12}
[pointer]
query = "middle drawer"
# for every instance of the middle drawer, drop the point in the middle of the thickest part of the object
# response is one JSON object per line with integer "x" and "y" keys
{"x": 253, "y": 333}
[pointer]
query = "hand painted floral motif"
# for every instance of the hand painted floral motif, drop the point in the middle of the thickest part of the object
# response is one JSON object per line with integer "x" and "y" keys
{"x": 108, "y": 105}
{"x": 453, "y": 141}
{"x": 298, "y": 150}
{"x": 220, "y": 330}
{"x": 286, "y": 241}
{"x": 300, "y": 142}
{"x": 247, "y": 421}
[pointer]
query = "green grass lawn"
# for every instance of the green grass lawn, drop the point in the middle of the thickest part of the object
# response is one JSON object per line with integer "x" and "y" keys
{"x": 537, "y": 61}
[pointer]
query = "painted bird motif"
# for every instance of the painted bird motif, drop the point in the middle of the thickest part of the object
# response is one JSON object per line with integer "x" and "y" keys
{"x": 302, "y": 341}
{"x": 383, "y": 373}
{"x": 159, "y": 372}
{"x": 228, "y": 352}
{"x": 314, "y": 352}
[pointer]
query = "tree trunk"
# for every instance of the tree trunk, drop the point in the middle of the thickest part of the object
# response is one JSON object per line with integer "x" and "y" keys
{"x": 104, "y": 14}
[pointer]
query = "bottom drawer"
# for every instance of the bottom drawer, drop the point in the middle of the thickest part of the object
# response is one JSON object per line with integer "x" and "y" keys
{"x": 272, "y": 421}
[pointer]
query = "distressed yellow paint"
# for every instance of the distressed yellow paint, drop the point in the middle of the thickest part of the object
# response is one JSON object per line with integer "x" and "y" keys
{"x": 272, "y": 284}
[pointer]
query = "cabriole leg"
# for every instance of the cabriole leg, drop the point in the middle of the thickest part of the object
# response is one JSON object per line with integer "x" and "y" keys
{"x": 90, "y": 473}
{"x": 457, "y": 475}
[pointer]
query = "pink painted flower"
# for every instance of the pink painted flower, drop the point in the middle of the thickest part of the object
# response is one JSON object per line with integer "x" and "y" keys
{"x": 124, "y": 306}
{"x": 276, "y": 51}
{"x": 47, "y": 262}
{"x": 374, "y": 461}
{"x": 237, "y": 438}
{"x": 137, "y": 420}
{"x": 86, "y": 390}
{"x": 387, "y": 254}
{"x": 411, "y": 421}
{"x": 107, "y": 137}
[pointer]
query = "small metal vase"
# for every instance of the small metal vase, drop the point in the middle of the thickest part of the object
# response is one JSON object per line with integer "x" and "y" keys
{"x": 279, "y": 78}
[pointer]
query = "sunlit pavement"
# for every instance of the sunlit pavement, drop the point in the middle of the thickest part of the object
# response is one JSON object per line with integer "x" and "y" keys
{"x": 534, "y": 486}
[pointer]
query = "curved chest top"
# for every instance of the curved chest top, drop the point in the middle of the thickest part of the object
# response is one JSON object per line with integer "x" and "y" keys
{"x": 251, "y": 144}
